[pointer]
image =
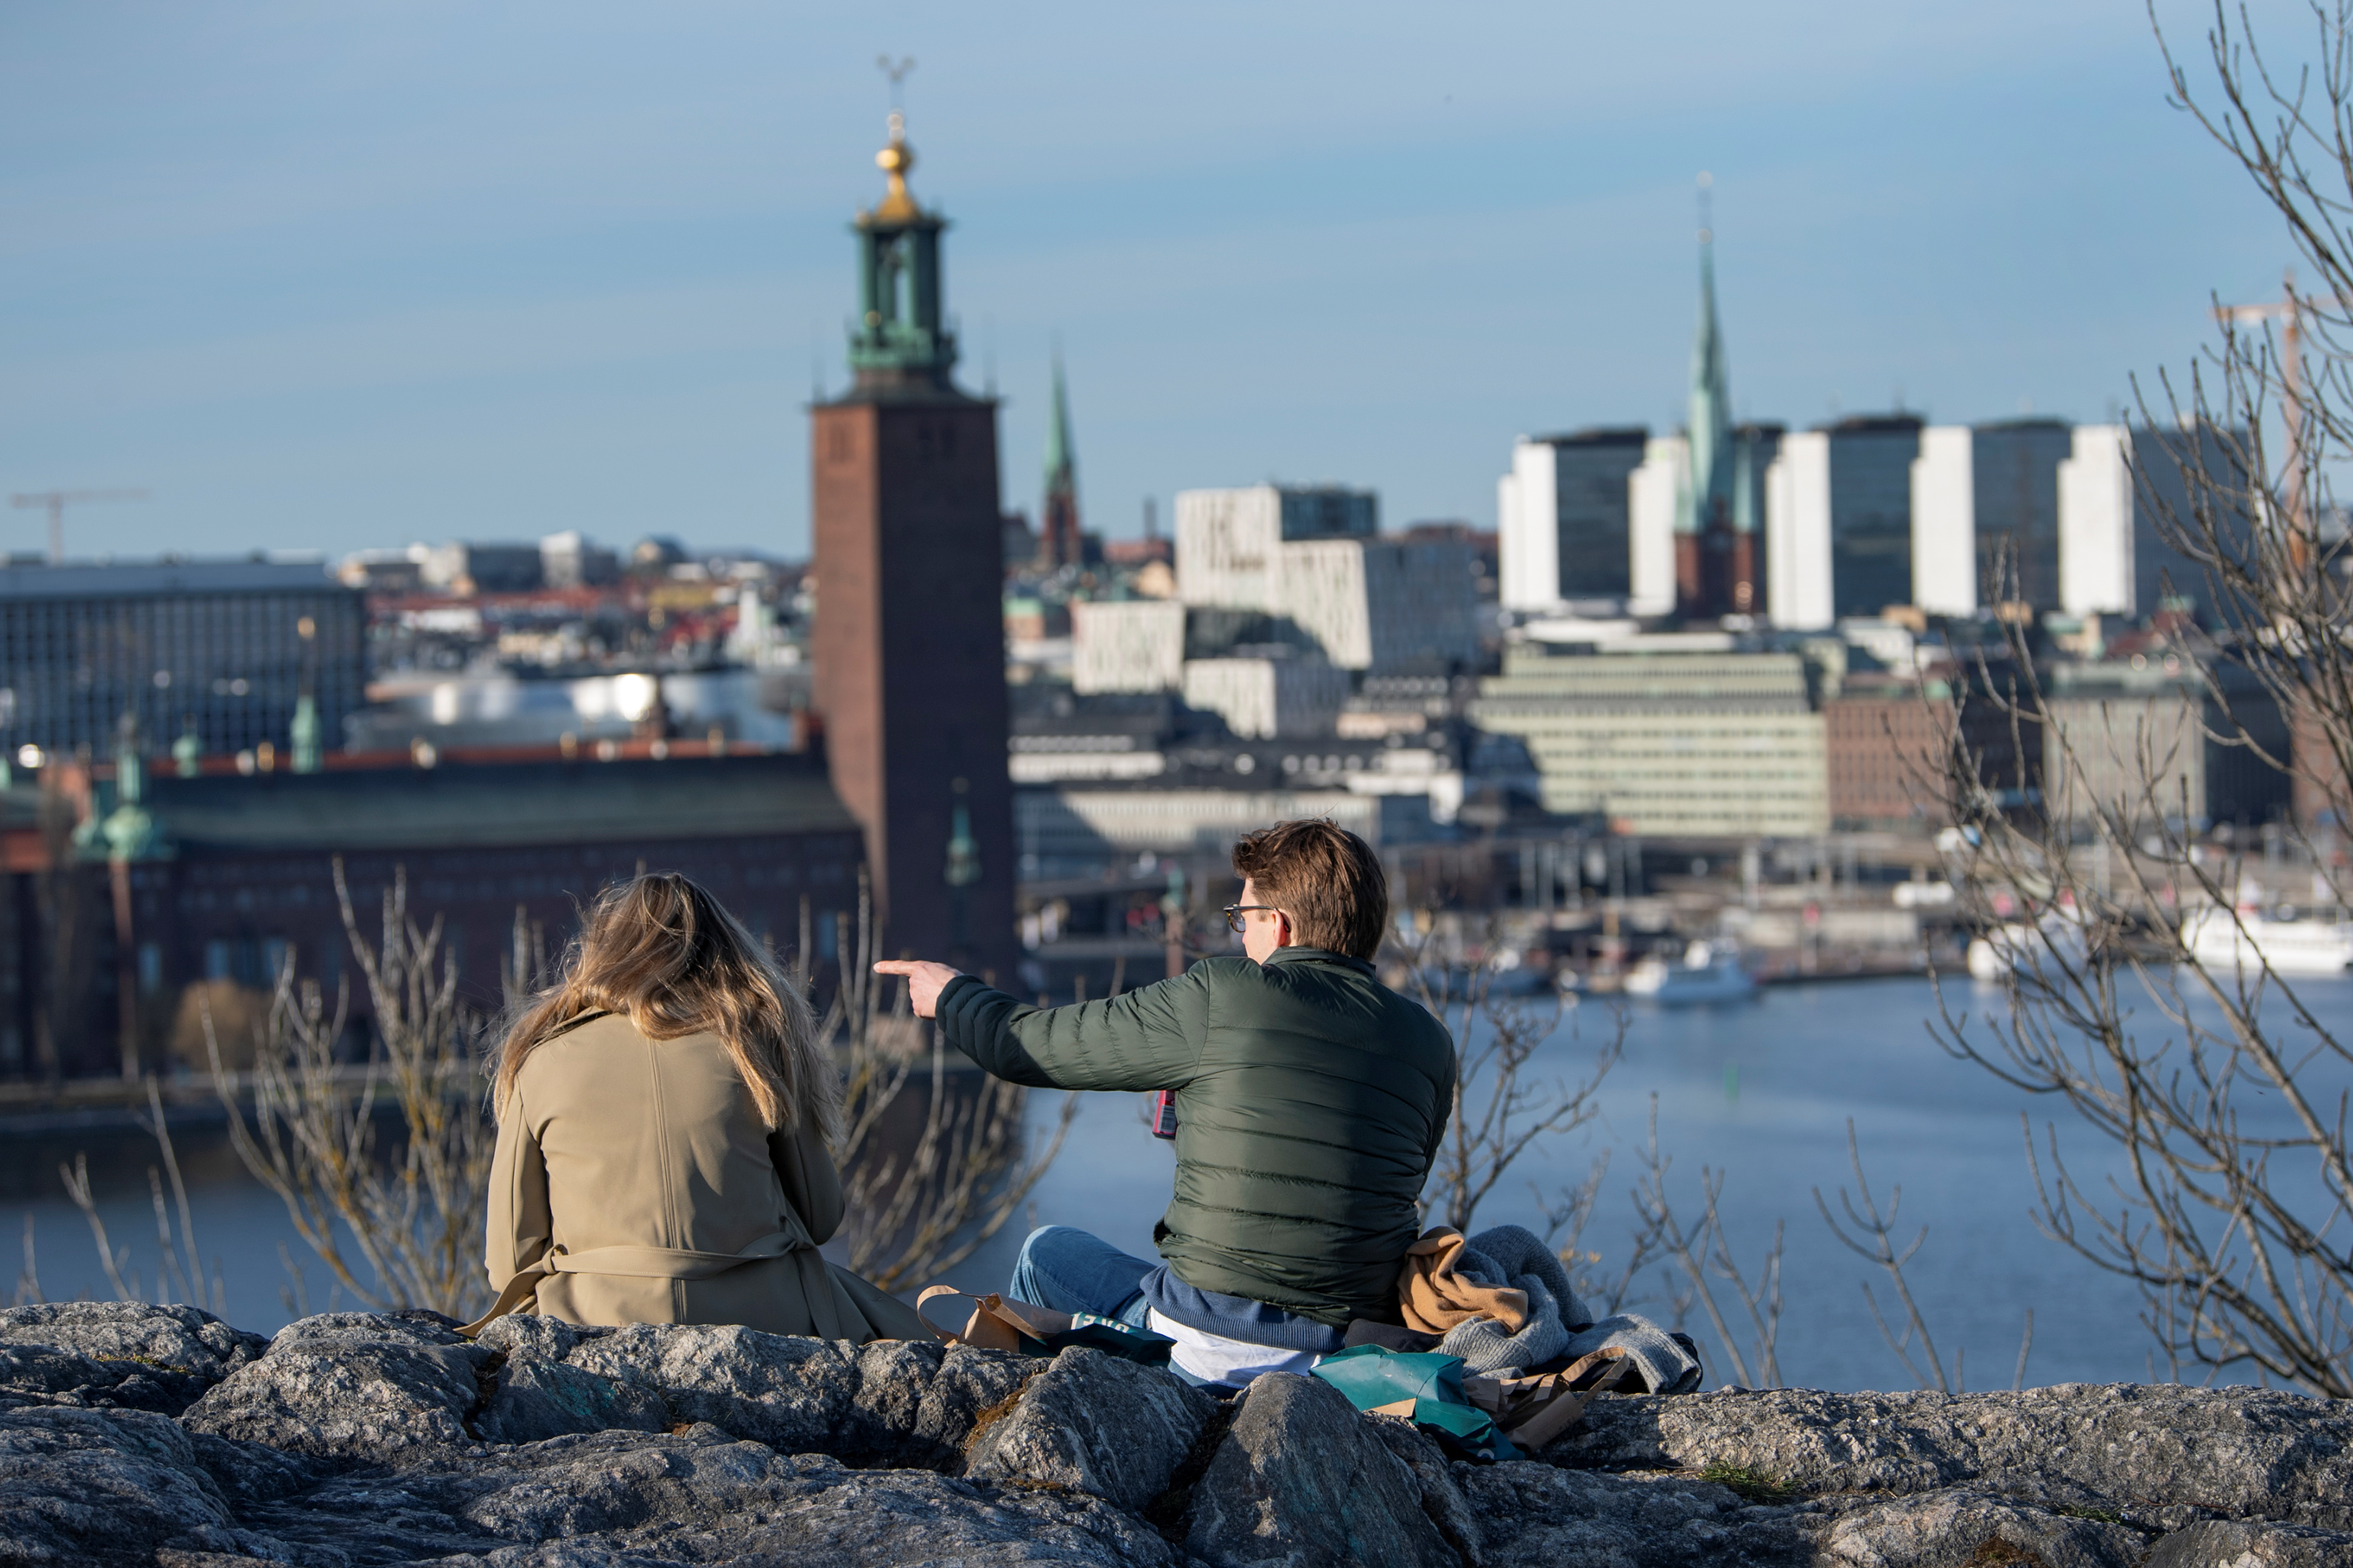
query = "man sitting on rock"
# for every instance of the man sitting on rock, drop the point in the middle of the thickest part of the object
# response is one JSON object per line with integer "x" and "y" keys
{"x": 1309, "y": 1101}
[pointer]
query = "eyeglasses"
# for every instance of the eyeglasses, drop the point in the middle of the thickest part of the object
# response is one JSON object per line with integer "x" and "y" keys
{"x": 1234, "y": 914}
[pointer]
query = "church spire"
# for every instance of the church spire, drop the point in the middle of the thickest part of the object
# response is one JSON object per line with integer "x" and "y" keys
{"x": 1060, "y": 542}
{"x": 1708, "y": 501}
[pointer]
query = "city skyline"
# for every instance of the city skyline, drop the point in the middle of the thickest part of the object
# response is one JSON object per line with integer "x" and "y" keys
{"x": 338, "y": 286}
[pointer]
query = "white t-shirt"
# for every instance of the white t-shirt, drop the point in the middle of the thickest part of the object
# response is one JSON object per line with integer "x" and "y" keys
{"x": 1213, "y": 1358}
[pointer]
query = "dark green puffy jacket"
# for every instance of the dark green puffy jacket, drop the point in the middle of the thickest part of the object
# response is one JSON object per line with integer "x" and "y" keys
{"x": 1310, "y": 1100}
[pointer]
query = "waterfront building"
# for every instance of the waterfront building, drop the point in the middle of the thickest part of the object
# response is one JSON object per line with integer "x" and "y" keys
{"x": 1698, "y": 745}
{"x": 1229, "y": 542}
{"x": 2155, "y": 742}
{"x": 1890, "y": 744}
{"x": 226, "y": 649}
{"x": 908, "y": 640}
{"x": 239, "y": 880}
{"x": 1563, "y": 519}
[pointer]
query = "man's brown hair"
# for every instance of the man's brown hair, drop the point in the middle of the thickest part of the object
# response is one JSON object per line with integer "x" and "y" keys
{"x": 1325, "y": 877}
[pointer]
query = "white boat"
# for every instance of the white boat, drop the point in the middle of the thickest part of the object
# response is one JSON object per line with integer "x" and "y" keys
{"x": 2002, "y": 950}
{"x": 1707, "y": 972}
{"x": 2289, "y": 943}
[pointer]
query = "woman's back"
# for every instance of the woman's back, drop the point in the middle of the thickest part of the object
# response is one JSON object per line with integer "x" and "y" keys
{"x": 642, "y": 1169}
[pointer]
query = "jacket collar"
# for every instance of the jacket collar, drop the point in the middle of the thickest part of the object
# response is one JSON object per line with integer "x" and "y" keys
{"x": 1297, "y": 954}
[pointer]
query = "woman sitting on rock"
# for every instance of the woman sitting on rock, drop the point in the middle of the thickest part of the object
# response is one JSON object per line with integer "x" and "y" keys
{"x": 664, "y": 1112}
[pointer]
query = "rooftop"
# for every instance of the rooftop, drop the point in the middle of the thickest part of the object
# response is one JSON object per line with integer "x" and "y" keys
{"x": 95, "y": 580}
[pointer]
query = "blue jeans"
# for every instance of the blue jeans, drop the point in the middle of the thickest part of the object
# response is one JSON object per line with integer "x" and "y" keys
{"x": 1067, "y": 1270}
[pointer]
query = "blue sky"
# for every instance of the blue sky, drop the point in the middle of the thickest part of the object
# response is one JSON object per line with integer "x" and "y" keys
{"x": 325, "y": 276}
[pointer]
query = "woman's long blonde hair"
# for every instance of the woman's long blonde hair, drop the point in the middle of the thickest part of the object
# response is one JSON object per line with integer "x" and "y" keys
{"x": 662, "y": 952}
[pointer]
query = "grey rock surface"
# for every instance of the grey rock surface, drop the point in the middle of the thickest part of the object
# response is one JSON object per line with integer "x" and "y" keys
{"x": 111, "y": 1356}
{"x": 1092, "y": 1423}
{"x": 186, "y": 1338}
{"x": 2239, "y": 1543}
{"x": 790, "y": 1393}
{"x": 353, "y": 1387}
{"x": 355, "y": 1439}
{"x": 2244, "y": 1453}
{"x": 1301, "y": 1480}
{"x": 1958, "y": 1527}
{"x": 1442, "y": 1497}
{"x": 87, "y": 1486}
{"x": 1530, "y": 1512}
{"x": 533, "y": 1398}
{"x": 697, "y": 1496}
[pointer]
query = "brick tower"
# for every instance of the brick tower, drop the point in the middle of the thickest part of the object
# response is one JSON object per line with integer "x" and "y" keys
{"x": 909, "y": 639}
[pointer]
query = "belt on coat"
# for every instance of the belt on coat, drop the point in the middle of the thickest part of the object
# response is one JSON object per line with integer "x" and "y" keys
{"x": 640, "y": 1262}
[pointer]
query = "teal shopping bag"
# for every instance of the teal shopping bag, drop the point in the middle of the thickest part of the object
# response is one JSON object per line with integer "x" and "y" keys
{"x": 1375, "y": 1378}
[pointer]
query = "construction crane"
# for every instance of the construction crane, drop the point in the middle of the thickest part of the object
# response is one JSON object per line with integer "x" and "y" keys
{"x": 2287, "y": 310}
{"x": 56, "y": 502}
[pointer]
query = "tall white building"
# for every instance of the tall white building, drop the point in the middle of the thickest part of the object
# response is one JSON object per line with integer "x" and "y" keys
{"x": 1655, "y": 493}
{"x": 1228, "y": 541}
{"x": 1944, "y": 522}
{"x": 1564, "y": 517}
{"x": 1798, "y": 533}
{"x": 2095, "y": 522}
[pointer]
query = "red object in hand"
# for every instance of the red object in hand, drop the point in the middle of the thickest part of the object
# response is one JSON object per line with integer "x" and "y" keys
{"x": 1164, "y": 1114}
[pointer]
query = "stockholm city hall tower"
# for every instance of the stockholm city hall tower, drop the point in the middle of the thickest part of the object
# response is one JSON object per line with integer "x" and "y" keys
{"x": 909, "y": 634}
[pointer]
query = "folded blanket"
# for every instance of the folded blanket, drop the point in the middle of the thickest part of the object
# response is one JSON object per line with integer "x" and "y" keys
{"x": 1501, "y": 1299}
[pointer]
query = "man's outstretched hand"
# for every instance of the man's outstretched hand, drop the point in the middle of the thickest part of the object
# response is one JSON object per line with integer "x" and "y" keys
{"x": 924, "y": 982}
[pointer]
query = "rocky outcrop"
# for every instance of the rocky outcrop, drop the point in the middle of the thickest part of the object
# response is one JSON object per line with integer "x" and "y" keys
{"x": 158, "y": 1436}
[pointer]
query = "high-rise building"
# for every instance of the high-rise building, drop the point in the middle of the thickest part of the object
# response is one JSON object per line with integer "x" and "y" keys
{"x": 908, "y": 635}
{"x": 223, "y": 649}
{"x": 1838, "y": 520}
{"x": 1229, "y": 542}
{"x": 2121, "y": 491}
{"x": 1797, "y": 531}
{"x": 2095, "y": 519}
{"x": 1945, "y": 537}
{"x": 1059, "y": 540}
{"x": 1657, "y": 495}
{"x": 2014, "y": 482}
{"x": 1563, "y": 517}
{"x": 1870, "y": 512}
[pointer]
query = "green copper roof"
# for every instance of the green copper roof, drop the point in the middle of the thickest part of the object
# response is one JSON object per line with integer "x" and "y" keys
{"x": 1060, "y": 465}
{"x": 1710, "y": 495}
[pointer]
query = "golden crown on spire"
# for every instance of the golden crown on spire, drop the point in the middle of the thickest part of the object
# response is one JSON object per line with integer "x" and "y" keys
{"x": 894, "y": 161}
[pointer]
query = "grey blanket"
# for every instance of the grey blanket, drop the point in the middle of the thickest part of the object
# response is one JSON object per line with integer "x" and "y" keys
{"x": 1558, "y": 1323}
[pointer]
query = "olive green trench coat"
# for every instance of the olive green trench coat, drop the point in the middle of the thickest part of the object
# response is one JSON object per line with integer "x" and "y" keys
{"x": 635, "y": 1183}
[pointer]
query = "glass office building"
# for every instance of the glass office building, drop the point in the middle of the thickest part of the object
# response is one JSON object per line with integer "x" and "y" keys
{"x": 1870, "y": 512}
{"x": 213, "y": 646}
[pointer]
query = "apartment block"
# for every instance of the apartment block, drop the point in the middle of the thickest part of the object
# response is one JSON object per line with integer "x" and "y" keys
{"x": 1701, "y": 744}
{"x": 1229, "y": 542}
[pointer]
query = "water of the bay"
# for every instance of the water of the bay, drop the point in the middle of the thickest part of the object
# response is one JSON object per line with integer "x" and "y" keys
{"x": 1761, "y": 1091}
